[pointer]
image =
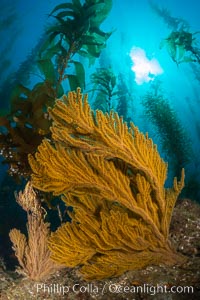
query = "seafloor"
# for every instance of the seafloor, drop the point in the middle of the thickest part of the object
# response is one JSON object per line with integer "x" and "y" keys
{"x": 153, "y": 282}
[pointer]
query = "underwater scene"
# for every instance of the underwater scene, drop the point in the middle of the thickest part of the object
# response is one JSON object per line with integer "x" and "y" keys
{"x": 100, "y": 149}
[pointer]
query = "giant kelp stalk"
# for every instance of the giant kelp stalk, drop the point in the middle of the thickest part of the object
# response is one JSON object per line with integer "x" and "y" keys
{"x": 110, "y": 91}
{"x": 123, "y": 98}
{"x": 76, "y": 33}
{"x": 173, "y": 136}
{"x": 19, "y": 78}
{"x": 173, "y": 23}
{"x": 113, "y": 177}
{"x": 10, "y": 29}
{"x": 181, "y": 44}
{"x": 105, "y": 85}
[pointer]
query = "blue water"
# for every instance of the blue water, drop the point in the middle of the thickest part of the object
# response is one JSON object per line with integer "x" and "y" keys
{"x": 135, "y": 24}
